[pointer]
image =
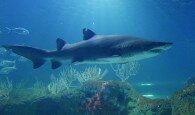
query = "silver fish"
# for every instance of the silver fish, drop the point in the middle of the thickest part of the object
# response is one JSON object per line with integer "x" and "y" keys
{"x": 19, "y": 30}
{"x": 7, "y": 63}
{"x": 7, "y": 70}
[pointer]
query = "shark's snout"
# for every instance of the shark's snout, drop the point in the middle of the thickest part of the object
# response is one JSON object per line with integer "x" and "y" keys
{"x": 158, "y": 47}
{"x": 165, "y": 45}
{"x": 169, "y": 43}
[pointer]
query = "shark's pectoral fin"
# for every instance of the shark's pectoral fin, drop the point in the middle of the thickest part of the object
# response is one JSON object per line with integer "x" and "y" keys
{"x": 87, "y": 34}
{"x": 60, "y": 44}
{"x": 77, "y": 61}
{"x": 55, "y": 64}
{"x": 37, "y": 62}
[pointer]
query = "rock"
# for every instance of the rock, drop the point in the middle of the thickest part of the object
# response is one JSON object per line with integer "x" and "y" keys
{"x": 70, "y": 103}
{"x": 103, "y": 98}
{"x": 108, "y": 98}
{"x": 151, "y": 107}
{"x": 191, "y": 80}
{"x": 94, "y": 97}
{"x": 183, "y": 101}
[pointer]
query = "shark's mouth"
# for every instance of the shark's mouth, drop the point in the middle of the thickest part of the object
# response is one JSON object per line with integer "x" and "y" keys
{"x": 156, "y": 50}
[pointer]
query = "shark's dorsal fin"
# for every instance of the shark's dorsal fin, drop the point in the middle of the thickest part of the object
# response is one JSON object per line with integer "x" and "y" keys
{"x": 87, "y": 34}
{"x": 60, "y": 44}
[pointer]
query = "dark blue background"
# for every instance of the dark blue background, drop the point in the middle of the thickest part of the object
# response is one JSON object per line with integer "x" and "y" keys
{"x": 167, "y": 20}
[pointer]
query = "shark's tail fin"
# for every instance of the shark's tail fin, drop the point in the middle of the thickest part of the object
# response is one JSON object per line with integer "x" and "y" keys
{"x": 33, "y": 54}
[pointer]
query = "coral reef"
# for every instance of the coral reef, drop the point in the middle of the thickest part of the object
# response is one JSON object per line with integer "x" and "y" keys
{"x": 125, "y": 71}
{"x": 151, "y": 107}
{"x": 183, "y": 101}
{"x": 68, "y": 104}
{"x": 63, "y": 81}
{"x": 39, "y": 90}
{"x": 20, "y": 94}
{"x": 191, "y": 80}
{"x": 107, "y": 97}
{"x": 96, "y": 98}
{"x": 5, "y": 89}
{"x": 68, "y": 75}
{"x": 91, "y": 73}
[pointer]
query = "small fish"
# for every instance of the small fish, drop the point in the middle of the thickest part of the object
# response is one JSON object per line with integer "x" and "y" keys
{"x": 7, "y": 70}
{"x": 7, "y": 63}
{"x": 2, "y": 51}
{"x": 19, "y": 30}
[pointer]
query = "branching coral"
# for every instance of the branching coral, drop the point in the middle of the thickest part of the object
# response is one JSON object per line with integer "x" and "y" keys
{"x": 5, "y": 89}
{"x": 63, "y": 81}
{"x": 91, "y": 73}
{"x": 65, "y": 78}
{"x": 39, "y": 90}
{"x": 56, "y": 87}
{"x": 124, "y": 71}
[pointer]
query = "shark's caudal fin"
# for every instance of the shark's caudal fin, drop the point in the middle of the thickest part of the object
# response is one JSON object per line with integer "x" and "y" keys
{"x": 33, "y": 54}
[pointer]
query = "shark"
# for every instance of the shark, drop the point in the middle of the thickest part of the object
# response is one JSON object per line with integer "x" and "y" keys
{"x": 93, "y": 49}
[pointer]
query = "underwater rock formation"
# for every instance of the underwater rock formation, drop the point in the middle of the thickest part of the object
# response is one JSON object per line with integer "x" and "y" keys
{"x": 148, "y": 106}
{"x": 104, "y": 98}
{"x": 94, "y": 97}
{"x": 183, "y": 101}
{"x": 108, "y": 97}
{"x": 191, "y": 80}
{"x": 70, "y": 103}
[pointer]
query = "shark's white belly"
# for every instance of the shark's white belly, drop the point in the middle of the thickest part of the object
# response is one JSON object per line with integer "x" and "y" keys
{"x": 108, "y": 60}
{"x": 118, "y": 59}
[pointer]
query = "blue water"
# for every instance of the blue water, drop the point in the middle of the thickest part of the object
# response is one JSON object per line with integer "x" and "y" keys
{"x": 167, "y": 20}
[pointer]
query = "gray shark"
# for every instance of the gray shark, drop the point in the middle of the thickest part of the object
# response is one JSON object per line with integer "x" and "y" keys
{"x": 93, "y": 49}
